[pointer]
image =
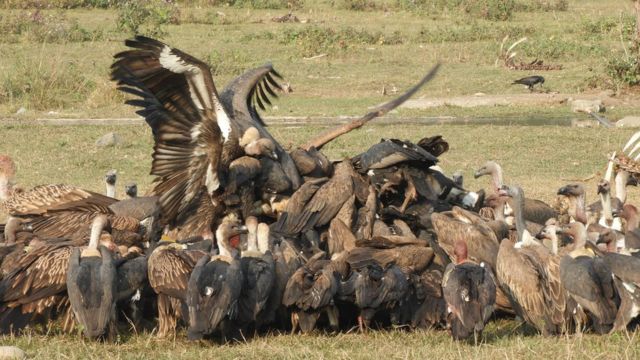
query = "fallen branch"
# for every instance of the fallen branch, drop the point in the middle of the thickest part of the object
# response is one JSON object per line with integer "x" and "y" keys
{"x": 315, "y": 57}
{"x": 331, "y": 134}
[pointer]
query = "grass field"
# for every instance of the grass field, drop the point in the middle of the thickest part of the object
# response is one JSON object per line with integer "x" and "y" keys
{"x": 56, "y": 62}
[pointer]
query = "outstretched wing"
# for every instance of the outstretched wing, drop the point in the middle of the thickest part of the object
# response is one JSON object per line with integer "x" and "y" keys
{"x": 180, "y": 103}
{"x": 250, "y": 91}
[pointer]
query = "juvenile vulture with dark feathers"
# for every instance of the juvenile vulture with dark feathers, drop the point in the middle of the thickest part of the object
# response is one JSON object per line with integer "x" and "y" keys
{"x": 389, "y": 152}
{"x": 240, "y": 98}
{"x": 92, "y": 286}
{"x": 258, "y": 267}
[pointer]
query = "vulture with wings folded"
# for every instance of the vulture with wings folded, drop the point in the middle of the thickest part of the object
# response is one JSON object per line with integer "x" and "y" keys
{"x": 196, "y": 132}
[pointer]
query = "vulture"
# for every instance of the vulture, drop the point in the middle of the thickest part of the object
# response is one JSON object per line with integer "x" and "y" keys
{"x": 215, "y": 284}
{"x": 535, "y": 211}
{"x": 470, "y": 292}
{"x": 92, "y": 285}
{"x": 588, "y": 280}
{"x": 524, "y": 273}
{"x": 258, "y": 267}
{"x": 169, "y": 268}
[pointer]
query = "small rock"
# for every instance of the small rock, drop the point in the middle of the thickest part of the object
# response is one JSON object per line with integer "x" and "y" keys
{"x": 21, "y": 111}
{"x": 587, "y": 106}
{"x": 629, "y": 122}
{"x": 109, "y": 139}
{"x": 11, "y": 353}
{"x": 584, "y": 123}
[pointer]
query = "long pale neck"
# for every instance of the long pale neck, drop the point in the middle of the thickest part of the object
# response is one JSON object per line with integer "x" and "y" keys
{"x": 111, "y": 190}
{"x": 496, "y": 176}
{"x": 263, "y": 237}
{"x": 580, "y": 211}
{"x": 252, "y": 240}
{"x": 554, "y": 242}
{"x": 223, "y": 245}
{"x": 518, "y": 204}
{"x": 580, "y": 238}
{"x": 96, "y": 230}
{"x": 621, "y": 185}
{"x": 11, "y": 228}
{"x": 605, "y": 198}
{"x": 499, "y": 211}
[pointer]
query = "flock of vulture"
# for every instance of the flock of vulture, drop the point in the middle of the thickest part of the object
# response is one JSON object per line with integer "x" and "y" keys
{"x": 239, "y": 236}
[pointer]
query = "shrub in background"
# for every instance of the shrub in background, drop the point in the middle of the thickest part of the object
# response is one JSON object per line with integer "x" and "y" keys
{"x": 148, "y": 17}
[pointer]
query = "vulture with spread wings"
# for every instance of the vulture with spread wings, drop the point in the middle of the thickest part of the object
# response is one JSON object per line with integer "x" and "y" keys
{"x": 195, "y": 137}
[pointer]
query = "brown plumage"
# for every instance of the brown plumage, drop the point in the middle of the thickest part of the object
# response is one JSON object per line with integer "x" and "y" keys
{"x": 529, "y": 275}
{"x": 36, "y": 284}
{"x": 169, "y": 269}
{"x": 56, "y": 211}
{"x": 323, "y": 205}
{"x": 481, "y": 240}
{"x": 310, "y": 291}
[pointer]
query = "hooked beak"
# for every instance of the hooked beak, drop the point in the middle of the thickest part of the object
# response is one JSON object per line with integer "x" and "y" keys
{"x": 563, "y": 191}
{"x": 632, "y": 181}
{"x": 477, "y": 174}
{"x": 273, "y": 155}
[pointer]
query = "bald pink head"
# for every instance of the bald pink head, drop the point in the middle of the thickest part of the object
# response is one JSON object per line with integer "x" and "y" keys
{"x": 460, "y": 251}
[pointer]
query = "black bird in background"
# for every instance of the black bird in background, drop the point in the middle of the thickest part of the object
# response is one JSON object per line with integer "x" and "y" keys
{"x": 530, "y": 81}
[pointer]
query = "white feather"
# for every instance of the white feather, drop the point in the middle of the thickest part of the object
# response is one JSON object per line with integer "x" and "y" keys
{"x": 632, "y": 140}
{"x": 470, "y": 199}
{"x": 212, "y": 181}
